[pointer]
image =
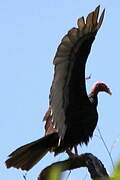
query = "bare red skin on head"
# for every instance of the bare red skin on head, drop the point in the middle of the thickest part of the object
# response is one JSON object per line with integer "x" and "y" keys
{"x": 99, "y": 87}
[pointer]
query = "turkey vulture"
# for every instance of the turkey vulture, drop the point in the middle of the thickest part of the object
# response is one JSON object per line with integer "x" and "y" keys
{"x": 72, "y": 115}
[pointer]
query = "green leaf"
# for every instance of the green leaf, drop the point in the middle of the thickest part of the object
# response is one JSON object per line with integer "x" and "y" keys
{"x": 55, "y": 173}
{"x": 116, "y": 173}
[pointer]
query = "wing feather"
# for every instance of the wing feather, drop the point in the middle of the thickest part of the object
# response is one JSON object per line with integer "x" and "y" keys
{"x": 73, "y": 35}
{"x": 67, "y": 42}
{"x": 101, "y": 19}
{"x": 74, "y": 45}
{"x": 81, "y": 23}
{"x": 95, "y": 16}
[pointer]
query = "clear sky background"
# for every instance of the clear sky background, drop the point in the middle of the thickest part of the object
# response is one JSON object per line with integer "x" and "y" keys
{"x": 30, "y": 32}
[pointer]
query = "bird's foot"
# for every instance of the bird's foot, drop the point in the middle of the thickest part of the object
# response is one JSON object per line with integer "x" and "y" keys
{"x": 75, "y": 149}
{"x": 70, "y": 154}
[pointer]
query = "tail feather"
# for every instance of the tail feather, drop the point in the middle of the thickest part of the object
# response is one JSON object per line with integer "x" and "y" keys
{"x": 28, "y": 155}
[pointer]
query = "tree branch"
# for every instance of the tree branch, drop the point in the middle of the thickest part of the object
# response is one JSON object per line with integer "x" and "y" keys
{"x": 94, "y": 165}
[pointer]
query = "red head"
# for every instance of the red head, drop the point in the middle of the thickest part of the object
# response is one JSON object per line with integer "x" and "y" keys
{"x": 100, "y": 86}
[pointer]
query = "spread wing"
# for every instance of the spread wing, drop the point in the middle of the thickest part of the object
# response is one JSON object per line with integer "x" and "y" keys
{"x": 68, "y": 85}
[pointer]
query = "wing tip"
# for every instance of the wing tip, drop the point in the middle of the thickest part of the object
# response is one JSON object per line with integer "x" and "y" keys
{"x": 92, "y": 23}
{"x": 98, "y": 7}
{"x": 101, "y": 19}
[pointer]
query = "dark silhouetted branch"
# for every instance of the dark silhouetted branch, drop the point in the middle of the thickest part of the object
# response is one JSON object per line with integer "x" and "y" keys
{"x": 94, "y": 165}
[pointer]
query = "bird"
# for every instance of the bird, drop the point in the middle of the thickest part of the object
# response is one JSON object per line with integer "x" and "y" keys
{"x": 72, "y": 115}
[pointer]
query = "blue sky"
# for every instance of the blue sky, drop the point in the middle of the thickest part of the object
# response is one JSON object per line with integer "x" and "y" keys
{"x": 30, "y": 32}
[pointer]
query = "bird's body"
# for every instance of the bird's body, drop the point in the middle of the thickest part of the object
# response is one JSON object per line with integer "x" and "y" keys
{"x": 72, "y": 115}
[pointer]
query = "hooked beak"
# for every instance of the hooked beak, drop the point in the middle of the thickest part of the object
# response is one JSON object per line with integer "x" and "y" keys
{"x": 109, "y": 92}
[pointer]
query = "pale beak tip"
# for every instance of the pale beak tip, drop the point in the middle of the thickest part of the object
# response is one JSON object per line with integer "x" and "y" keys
{"x": 110, "y": 93}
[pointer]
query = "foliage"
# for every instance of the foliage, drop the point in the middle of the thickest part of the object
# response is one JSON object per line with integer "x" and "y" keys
{"x": 55, "y": 173}
{"x": 116, "y": 173}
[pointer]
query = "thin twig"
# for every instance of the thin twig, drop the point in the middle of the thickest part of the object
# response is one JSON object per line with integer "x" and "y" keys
{"x": 88, "y": 77}
{"x": 68, "y": 175}
{"x": 24, "y": 176}
{"x": 106, "y": 147}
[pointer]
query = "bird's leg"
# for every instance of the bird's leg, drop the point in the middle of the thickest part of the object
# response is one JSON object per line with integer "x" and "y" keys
{"x": 75, "y": 148}
{"x": 70, "y": 154}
